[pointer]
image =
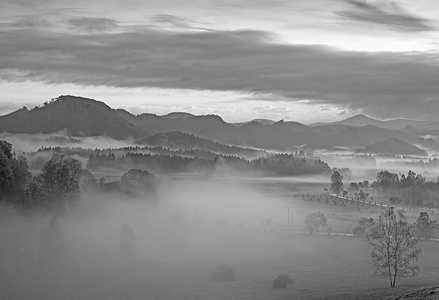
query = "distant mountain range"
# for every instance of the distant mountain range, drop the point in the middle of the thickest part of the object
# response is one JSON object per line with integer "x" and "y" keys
{"x": 362, "y": 120}
{"x": 87, "y": 117}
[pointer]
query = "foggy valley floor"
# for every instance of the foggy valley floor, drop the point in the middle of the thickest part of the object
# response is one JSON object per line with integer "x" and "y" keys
{"x": 320, "y": 266}
{"x": 179, "y": 247}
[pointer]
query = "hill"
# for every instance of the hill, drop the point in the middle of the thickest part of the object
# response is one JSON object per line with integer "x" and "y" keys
{"x": 181, "y": 140}
{"x": 78, "y": 116}
{"x": 87, "y": 117}
{"x": 393, "y": 146}
{"x": 362, "y": 120}
{"x": 260, "y": 121}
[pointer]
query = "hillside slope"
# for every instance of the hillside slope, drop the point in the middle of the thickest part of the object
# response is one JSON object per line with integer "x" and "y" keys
{"x": 78, "y": 116}
{"x": 394, "y": 146}
{"x": 181, "y": 140}
{"x": 362, "y": 120}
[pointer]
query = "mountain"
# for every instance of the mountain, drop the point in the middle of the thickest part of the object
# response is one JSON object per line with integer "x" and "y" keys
{"x": 362, "y": 120}
{"x": 393, "y": 146}
{"x": 78, "y": 116}
{"x": 181, "y": 140}
{"x": 87, "y": 117}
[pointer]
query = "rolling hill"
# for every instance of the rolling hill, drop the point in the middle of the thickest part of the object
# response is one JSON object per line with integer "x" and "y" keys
{"x": 393, "y": 146}
{"x": 78, "y": 116}
{"x": 362, "y": 120}
{"x": 87, "y": 117}
{"x": 181, "y": 140}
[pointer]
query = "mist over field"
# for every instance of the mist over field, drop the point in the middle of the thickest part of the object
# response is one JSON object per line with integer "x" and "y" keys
{"x": 219, "y": 149}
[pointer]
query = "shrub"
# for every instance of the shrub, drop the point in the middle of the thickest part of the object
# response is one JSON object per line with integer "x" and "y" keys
{"x": 330, "y": 230}
{"x": 358, "y": 231}
{"x": 282, "y": 281}
{"x": 223, "y": 274}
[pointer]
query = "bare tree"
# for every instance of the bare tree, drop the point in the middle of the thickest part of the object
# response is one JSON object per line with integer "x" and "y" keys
{"x": 394, "y": 249}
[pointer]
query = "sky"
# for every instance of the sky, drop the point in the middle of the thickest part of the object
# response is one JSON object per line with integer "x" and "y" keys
{"x": 299, "y": 60}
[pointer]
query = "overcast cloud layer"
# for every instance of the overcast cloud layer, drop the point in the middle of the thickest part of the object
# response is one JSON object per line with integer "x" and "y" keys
{"x": 169, "y": 51}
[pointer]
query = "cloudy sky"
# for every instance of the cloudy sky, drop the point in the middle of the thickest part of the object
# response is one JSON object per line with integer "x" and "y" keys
{"x": 302, "y": 60}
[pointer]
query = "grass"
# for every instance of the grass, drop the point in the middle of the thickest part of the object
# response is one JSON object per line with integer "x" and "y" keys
{"x": 321, "y": 266}
{"x": 179, "y": 265}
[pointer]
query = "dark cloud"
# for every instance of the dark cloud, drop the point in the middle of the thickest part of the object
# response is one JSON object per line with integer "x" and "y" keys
{"x": 385, "y": 13}
{"x": 383, "y": 84}
{"x": 92, "y": 24}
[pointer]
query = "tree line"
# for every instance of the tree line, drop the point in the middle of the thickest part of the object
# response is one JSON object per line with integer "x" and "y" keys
{"x": 56, "y": 186}
{"x": 411, "y": 189}
{"x": 276, "y": 164}
{"x": 60, "y": 182}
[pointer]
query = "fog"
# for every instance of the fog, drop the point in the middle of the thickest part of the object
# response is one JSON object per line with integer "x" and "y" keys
{"x": 194, "y": 228}
{"x": 195, "y": 223}
{"x": 33, "y": 142}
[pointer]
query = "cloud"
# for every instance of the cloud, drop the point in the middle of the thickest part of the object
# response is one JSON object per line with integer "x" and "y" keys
{"x": 27, "y": 22}
{"x": 177, "y": 22}
{"x": 383, "y": 84}
{"x": 386, "y": 13}
{"x": 92, "y": 24}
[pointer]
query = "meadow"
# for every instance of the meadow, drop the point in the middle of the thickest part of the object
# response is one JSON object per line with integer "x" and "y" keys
{"x": 176, "y": 257}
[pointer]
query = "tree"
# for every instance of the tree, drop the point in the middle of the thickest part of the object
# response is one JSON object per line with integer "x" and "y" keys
{"x": 416, "y": 196}
{"x": 314, "y": 221}
{"x": 137, "y": 182}
{"x": 14, "y": 175}
{"x": 362, "y": 196}
{"x": 394, "y": 250}
{"x": 59, "y": 181}
{"x": 386, "y": 182}
{"x": 353, "y": 187}
{"x": 336, "y": 183}
{"x": 424, "y": 226}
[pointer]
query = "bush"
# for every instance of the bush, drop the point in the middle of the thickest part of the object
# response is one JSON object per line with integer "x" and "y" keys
{"x": 282, "y": 281}
{"x": 358, "y": 231}
{"x": 330, "y": 230}
{"x": 223, "y": 274}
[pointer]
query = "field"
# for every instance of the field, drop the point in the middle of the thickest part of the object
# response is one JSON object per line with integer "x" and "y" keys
{"x": 321, "y": 266}
{"x": 175, "y": 260}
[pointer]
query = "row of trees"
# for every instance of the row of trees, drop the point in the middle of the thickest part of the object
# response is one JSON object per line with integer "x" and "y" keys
{"x": 278, "y": 164}
{"x": 411, "y": 189}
